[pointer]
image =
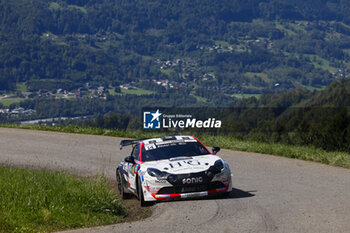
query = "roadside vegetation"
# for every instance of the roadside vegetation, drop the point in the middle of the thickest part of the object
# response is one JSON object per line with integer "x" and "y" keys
{"x": 45, "y": 201}
{"x": 340, "y": 159}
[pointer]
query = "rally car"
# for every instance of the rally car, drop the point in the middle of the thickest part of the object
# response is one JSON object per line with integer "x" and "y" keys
{"x": 171, "y": 167}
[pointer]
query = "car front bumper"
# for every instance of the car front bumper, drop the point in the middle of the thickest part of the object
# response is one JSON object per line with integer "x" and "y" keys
{"x": 189, "y": 195}
{"x": 184, "y": 192}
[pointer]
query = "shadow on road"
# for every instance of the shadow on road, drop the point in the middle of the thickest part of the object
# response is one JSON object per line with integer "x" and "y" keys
{"x": 234, "y": 194}
{"x": 238, "y": 193}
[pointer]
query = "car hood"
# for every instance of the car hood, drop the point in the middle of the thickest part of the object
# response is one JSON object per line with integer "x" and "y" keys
{"x": 185, "y": 165}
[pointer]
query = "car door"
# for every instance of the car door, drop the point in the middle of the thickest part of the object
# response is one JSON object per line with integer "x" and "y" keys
{"x": 133, "y": 168}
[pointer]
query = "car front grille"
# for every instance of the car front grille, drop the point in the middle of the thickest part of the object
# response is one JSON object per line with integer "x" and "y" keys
{"x": 178, "y": 180}
{"x": 192, "y": 188}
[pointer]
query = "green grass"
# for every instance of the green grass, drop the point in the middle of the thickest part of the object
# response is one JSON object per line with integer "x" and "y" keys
{"x": 340, "y": 159}
{"x": 21, "y": 87}
{"x": 167, "y": 72}
{"x": 321, "y": 63}
{"x": 263, "y": 76}
{"x": 347, "y": 51}
{"x": 138, "y": 91}
{"x": 111, "y": 91}
{"x": 222, "y": 43}
{"x": 245, "y": 96}
{"x": 41, "y": 201}
{"x": 311, "y": 88}
{"x": 317, "y": 61}
{"x": 54, "y": 6}
{"x": 8, "y": 101}
{"x": 199, "y": 98}
{"x": 241, "y": 49}
{"x": 296, "y": 27}
{"x": 82, "y": 9}
{"x": 283, "y": 28}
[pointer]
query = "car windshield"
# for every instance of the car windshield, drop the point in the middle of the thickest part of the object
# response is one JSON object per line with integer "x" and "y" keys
{"x": 173, "y": 150}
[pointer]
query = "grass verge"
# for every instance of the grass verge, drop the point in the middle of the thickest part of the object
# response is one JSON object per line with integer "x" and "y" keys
{"x": 138, "y": 91}
{"x": 340, "y": 159}
{"x": 42, "y": 201}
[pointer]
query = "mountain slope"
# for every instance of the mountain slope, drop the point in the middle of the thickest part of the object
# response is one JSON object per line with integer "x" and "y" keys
{"x": 235, "y": 47}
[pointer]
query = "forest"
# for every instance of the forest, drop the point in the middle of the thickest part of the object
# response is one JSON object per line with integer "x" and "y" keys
{"x": 298, "y": 117}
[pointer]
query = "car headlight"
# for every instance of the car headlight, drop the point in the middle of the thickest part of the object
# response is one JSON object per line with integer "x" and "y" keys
{"x": 219, "y": 165}
{"x": 217, "y": 168}
{"x": 156, "y": 173}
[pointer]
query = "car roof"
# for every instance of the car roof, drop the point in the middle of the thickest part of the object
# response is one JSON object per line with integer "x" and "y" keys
{"x": 169, "y": 139}
{"x": 166, "y": 139}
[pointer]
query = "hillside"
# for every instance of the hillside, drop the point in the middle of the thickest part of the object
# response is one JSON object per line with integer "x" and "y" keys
{"x": 205, "y": 47}
{"x": 299, "y": 117}
{"x": 73, "y": 58}
{"x": 337, "y": 94}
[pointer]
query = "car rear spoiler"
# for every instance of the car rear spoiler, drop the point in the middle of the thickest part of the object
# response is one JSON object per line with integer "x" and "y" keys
{"x": 128, "y": 143}
{"x": 133, "y": 142}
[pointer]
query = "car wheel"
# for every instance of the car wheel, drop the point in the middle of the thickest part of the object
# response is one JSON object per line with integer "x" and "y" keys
{"x": 140, "y": 193}
{"x": 122, "y": 194}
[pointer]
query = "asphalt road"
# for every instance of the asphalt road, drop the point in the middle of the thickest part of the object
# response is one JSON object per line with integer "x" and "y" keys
{"x": 270, "y": 194}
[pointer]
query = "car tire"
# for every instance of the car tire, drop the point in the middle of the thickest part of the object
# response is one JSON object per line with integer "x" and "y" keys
{"x": 121, "y": 191}
{"x": 140, "y": 193}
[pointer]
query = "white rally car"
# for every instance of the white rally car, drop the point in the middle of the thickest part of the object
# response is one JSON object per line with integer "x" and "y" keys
{"x": 172, "y": 167}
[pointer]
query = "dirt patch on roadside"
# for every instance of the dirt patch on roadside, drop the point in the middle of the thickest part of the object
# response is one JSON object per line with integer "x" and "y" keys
{"x": 132, "y": 205}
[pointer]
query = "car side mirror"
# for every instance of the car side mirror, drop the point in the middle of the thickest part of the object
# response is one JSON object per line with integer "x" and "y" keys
{"x": 215, "y": 149}
{"x": 130, "y": 159}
